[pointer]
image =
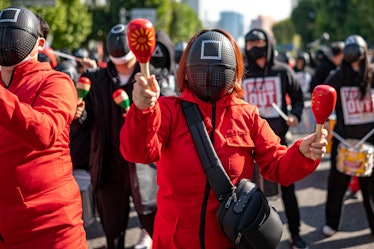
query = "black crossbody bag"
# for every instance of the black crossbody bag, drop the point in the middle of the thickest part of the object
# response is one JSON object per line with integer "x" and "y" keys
{"x": 244, "y": 214}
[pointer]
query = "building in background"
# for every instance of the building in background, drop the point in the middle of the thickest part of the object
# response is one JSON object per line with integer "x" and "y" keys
{"x": 232, "y": 22}
{"x": 263, "y": 22}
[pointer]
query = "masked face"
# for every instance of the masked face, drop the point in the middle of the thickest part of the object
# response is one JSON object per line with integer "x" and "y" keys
{"x": 122, "y": 60}
{"x": 117, "y": 45}
{"x": 18, "y": 35}
{"x": 256, "y": 53}
{"x": 354, "y": 48}
{"x": 255, "y": 44}
{"x": 211, "y": 65}
{"x": 28, "y": 58}
{"x": 353, "y": 53}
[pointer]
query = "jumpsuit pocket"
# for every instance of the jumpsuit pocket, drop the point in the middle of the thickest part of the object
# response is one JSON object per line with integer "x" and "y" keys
{"x": 238, "y": 151}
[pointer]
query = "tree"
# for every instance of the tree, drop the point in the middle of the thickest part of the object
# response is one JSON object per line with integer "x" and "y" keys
{"x": 185, "y": 23}
{"x": 4, "y": 4}
{"x": 70, "y": 23}
{"x": 365, "y": 9}
{"x": 304, "y": 19}
{"x": 337, "y": 17}
{"x": 102, "y": 23}
{"x": 284, "y": 31}
{"x": 177, "y": 20}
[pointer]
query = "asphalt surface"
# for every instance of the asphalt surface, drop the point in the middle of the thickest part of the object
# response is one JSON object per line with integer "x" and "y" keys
{"x": 311, "y": 193}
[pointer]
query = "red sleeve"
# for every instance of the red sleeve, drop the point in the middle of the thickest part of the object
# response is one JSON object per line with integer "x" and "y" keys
{"x": 295, "y": 166}
{"x": 141, "y": 128}
{"x": 277, "y": 162}
{"x": 39, "y": 123}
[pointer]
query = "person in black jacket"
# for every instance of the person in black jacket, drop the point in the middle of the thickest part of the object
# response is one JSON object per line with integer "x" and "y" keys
{"x": 267, "y": 83}
{"x": 162, "y": 63}
{"x": 79, "y": 140}
{"x": 110, "y": 172}
{"x": 328, "y": 58}
{"x": 303, "y": 72}
{"x": 354, "y": 84}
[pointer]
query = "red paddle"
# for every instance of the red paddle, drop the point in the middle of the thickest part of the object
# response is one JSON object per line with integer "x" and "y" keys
{"x": 142, "y": 41}
{"x": 323, "y": 104}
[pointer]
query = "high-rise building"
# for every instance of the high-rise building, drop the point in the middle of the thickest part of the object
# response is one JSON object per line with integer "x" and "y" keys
{"x": 232, "y": 22}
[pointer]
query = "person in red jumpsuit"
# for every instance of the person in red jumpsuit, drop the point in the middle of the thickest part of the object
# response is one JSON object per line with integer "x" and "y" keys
{"x": 209, "y": 74}
{"x": 40, "y": 202}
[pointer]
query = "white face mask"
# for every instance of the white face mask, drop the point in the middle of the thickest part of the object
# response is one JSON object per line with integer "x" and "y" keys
{"x": 122, "y": 60}
{"x": 28, "y": 58}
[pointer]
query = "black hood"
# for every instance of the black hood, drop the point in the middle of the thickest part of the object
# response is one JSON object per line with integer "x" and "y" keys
{"x": 251, "y": 64}
{"x": 163, "y": 55}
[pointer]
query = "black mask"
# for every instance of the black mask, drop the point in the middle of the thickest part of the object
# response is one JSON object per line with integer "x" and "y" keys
{"x": 353, "y": 52}
{"x": 18, "y": 35}
{"x": 211, "y": 65}
{"x": 256, "y": 52}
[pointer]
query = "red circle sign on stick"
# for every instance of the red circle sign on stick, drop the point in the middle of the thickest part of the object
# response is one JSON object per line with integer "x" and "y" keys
{"x": 142, "y": 41}
{"x": 323, "y": 104}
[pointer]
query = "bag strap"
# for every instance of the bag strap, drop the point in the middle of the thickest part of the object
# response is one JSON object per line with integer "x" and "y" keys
{"x": 216, "y": 174}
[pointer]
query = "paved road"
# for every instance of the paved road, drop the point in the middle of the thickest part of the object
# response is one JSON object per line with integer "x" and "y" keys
{"x": 311, "y": 193}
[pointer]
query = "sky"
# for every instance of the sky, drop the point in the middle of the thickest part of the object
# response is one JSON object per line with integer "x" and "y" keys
{"x": 251, "y": 9}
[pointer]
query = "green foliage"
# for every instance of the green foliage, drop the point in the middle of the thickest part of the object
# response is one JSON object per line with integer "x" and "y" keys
{"x": 101, "y": 23}
{"x": 304, "y": 19}
{"x": 365, "y": 9}
{"x": 164, "y": 16}
{"x": 70, "y": 23}
{"x": 177, "y": 20}
{"x": 4, "y": 4}
{"x": 73, "y": 25}
{"x": 185, "y": 23}
{"x": 284, "y": 31}
{"x": 339, "y": 18}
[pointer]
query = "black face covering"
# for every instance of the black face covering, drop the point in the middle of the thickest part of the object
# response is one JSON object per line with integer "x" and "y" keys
{"x": 18, "y": 35}
{"x": 354, "y": 48}
{"x": 117, "y": 44}
{"x": 256, "y": 52}
{"x": 352, "y": 53}
{"x": 211, "y": 65}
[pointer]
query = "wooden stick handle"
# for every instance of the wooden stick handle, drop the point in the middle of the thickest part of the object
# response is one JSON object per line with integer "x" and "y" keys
{"x": 319, "y": 128}
{"x": 144, "y": 69}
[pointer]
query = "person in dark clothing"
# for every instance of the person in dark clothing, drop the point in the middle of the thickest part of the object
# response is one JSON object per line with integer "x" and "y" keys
{"x": 79, "y": 140}
{"x": 162, "y": 63}
{"x": 328, "y": 58}
{"x": 354, "y": 84}
{"x": 109, "y": 171}
{"x": 267, "y": 82}
{"x": 303, "y": 72}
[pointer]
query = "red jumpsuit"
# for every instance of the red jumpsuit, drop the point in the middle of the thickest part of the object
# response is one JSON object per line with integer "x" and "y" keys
{"x": 241, "y": 135}
{"x": 40, "y": 203}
